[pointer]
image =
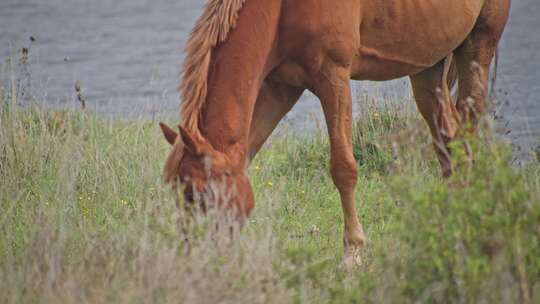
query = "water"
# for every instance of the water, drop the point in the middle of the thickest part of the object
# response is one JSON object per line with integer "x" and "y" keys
{"x": 126, "y": 54}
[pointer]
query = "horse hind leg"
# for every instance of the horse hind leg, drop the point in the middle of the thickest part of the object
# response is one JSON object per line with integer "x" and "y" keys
{"x": 434, "y": 101}
{"x": 474, "y": 58}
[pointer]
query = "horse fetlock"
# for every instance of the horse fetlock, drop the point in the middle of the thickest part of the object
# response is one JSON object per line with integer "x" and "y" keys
{"x": 354, "y": 237}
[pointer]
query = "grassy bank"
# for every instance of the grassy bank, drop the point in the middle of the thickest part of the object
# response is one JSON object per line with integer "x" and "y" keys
{"x": 85, "y": 219}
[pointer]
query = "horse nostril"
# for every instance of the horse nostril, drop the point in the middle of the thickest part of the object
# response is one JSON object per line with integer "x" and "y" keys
{"x": 188, "y": 196}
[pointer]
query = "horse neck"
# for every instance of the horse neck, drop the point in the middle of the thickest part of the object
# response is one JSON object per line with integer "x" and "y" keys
{"x": 238, "y": 69}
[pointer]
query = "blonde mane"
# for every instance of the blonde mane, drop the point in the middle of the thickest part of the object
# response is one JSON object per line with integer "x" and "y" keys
{"x": 212, "y": 28}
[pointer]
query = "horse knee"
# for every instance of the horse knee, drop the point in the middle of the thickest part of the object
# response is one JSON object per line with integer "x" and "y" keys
{"x": 344, "y": 173}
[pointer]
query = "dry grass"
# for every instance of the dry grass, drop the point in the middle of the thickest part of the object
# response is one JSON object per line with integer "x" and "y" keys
{"x": 85, "y": 219}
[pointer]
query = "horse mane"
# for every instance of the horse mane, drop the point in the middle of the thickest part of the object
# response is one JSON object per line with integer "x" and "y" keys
{"x": 212, "y": 28}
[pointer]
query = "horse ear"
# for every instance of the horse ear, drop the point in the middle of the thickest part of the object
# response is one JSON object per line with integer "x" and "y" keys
{"x": 169, "y": 134}
{"x": 192, "y": 143}
{"x": 202, "y": 149}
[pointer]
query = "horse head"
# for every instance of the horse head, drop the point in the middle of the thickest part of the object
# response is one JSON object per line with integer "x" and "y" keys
{"x": 207, "y": 176}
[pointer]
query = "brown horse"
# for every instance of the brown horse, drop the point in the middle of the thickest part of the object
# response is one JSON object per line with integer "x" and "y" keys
{"x": 248, "y": 61}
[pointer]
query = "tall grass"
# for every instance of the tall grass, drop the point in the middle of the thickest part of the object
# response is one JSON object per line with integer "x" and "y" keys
{"x": 85, "y": 218}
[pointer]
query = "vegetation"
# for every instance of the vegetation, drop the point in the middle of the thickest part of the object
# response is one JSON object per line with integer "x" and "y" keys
{"x": 85, "y": 218}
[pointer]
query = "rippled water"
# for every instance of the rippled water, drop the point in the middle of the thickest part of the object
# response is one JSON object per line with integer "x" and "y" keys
{"x": 126, "y": 55}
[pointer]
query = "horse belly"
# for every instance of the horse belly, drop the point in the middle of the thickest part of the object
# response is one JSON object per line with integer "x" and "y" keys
{"x": 401, "y": 37}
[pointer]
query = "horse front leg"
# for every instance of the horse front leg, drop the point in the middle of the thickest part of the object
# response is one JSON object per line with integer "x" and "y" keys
{"x": 274, "y": 101}
{"x": 334, "y": 92}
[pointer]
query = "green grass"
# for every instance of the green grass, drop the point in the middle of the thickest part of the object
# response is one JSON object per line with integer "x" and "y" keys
{"x": 85, "y": 219}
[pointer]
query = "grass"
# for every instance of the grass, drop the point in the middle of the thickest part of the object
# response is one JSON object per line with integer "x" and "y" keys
{"x": 85, "y": 219}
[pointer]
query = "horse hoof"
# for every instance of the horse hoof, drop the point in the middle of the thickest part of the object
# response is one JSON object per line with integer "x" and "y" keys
{"x": 351, "y": 262}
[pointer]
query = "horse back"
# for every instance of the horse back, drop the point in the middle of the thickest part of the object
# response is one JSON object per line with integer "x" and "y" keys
{"x": 378, "y": 40}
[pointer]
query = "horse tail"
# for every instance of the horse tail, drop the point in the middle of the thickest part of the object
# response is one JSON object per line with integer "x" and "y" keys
{"x": 494, "y": 77}
{"x": 450, "y": 74}
{"x": 451, "y": 71}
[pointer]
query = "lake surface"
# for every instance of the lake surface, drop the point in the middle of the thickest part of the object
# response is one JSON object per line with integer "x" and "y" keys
{"x": 126, "y": 54}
